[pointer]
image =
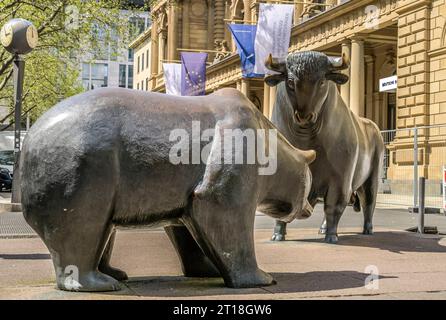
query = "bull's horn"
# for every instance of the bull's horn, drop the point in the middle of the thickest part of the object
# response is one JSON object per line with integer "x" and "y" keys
{"x": 274, "y": 65}
{"x": 310, "y": 155}
{"x": 340, "y": 63}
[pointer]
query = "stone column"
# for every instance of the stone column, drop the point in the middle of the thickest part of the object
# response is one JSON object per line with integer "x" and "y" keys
{"x": 254, "y": 10}
{"x": 154, "y": 53}
{"x": 172, "y": 32}
{"x": 298, "y": 9}
{"x": 272, "y": 100}
{"x": 266, "y": 109}
{"x": 370, "y": 76}
{"x": 245, "y": 87}
{"x": 345, "y": 88}
{"x": 161, "y": 54}
{"x": 219, "y": 28}
{"x": 247, "y": 8}
{"x": 185, "y": 26}
{"x": 357, "y": 83}
{"x": 238, "y": 85}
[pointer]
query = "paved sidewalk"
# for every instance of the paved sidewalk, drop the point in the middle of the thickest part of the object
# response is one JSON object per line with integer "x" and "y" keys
{"x": 410, "y": 266}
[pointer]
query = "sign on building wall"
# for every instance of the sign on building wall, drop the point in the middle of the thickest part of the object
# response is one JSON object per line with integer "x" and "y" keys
{"x": 389, "y": 84}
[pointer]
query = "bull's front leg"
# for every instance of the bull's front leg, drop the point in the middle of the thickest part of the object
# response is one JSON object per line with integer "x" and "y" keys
{"x": 334, "y": 206}
{"x": 279, "y": 231}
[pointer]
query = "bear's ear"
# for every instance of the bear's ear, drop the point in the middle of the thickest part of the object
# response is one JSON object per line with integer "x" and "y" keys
{"x": 310, "y": 155}
{"x": 339, "y": 78}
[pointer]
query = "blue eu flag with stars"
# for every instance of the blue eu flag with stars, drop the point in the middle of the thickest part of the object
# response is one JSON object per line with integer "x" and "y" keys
{"x": 193, "y": 73}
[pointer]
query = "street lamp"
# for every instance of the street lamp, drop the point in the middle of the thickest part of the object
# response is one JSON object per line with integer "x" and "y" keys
{"x": 19, "y": 37}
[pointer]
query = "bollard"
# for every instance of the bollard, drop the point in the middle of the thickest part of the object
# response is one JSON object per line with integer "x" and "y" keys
{"x": 415, "y": 168}
{"x": 421, "y": 208}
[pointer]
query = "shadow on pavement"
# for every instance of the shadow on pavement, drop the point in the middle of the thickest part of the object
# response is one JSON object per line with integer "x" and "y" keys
{"x": 31, "y": 256}
{"x": 176, "y": 287}
{"x": 396, "y": 242}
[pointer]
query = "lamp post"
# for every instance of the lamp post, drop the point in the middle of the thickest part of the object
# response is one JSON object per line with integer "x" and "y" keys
{"x": 19, "y": 37}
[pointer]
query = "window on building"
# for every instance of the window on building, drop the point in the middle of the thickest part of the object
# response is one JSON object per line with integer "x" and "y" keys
{"x": 142, "y": 62}
{"x": 94, "y": 75}
{"x": 137, "y": 25}
{"x": 130, "y": 56}
{"x": 142, "y": 84}
{"x": 114, "y": 50}
{"x": 122, "y": 75}
{"x": 137, "y": 86}
{"x": 99, "y": 75}
{"x": 101, "y": 52}
{"x": 86, "y": 76}
{"x": 147, "y": 59}
{"x": 130, "y": 79}
{"x": 147, "y": 84}
{"x": 139, "y": 64}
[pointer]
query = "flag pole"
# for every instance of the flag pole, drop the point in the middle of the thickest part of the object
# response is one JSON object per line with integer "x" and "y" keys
{"x": 178, "y": 61}
{"x": 294, "y": 2}
{"x": 239, "y": 20}
{"x": 201, "y": 50}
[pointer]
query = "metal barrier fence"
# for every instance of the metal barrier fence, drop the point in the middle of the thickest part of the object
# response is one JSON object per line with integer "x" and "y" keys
{"x": 412, "y": 153}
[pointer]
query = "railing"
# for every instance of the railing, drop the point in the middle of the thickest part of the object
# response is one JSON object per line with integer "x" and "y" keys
{"x": 412, "y": 153}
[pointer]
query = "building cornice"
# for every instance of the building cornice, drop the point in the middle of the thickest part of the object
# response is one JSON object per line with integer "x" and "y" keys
{"x": 332, "y": 13}
{"x": 412, "y": 5}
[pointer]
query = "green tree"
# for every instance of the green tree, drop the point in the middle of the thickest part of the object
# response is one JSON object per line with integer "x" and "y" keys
{"x": 68, "y": 29}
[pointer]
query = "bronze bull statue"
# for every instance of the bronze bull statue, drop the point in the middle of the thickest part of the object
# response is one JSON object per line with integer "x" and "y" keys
{"x": 106, "y": 158}
{"x": 311, "y": 114}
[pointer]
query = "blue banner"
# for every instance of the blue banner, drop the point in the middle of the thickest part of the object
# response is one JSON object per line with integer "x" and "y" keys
{"x": 244, "y": 37}
{"x": 193, "y": 74}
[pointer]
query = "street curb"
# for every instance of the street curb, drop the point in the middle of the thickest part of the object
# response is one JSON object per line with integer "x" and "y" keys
{"x": 10, "y": 207}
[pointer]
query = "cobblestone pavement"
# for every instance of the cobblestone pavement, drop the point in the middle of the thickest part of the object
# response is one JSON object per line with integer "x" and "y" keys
{"x": 410, "y": 266}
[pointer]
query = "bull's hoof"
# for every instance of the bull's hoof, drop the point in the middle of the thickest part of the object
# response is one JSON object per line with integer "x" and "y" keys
{"x": 255, "y": 279}
{"x": 114, "y": 273}
{"x": 322, "y": 230}
{"x": 368, "y": 229}
{"x": 278, "y": 237}
{"x": 91, "y": 282}
{"x": 331, "y": 238}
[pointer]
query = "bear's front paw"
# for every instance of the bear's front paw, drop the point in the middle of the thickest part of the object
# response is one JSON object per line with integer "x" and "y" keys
{"x": 254, "y": 279}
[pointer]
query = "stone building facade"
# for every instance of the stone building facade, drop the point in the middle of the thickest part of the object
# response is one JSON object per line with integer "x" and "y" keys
{"x": 382, "y": 38}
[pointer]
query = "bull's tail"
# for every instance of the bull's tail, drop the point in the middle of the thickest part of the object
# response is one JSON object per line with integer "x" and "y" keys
{"x": 355, "y": 202}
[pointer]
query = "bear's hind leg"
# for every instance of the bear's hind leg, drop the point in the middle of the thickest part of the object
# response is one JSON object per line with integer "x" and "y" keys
{"x": 76, "y": 259}
{"x": 193, "y": 261}
{"x": 104, "y": 265}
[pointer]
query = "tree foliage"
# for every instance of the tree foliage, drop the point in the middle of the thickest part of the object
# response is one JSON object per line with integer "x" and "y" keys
{"x": 66, "y": 31}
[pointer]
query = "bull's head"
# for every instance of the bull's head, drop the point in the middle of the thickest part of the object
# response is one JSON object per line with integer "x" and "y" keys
{"x": 307, "y": 77}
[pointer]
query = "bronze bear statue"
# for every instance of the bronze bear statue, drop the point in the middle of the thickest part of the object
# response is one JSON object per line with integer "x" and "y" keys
{"x": 103, "y": 159}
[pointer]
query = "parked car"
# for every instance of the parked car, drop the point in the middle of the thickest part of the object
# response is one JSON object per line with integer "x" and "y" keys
{"x": 7, "y": 159}
{"x": 5, "y": 179}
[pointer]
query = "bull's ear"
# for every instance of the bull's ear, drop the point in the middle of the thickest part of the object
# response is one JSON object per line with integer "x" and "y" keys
{"x": 276, "y": 66}
{"x": 274, "y": 79}
{"x": 339, "y": 78}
